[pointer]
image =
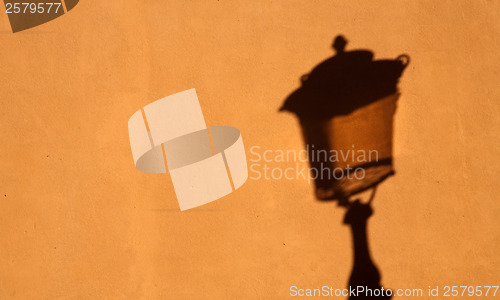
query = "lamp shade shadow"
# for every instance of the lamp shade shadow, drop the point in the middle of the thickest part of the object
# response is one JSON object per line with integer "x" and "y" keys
{"x": 345, "y": 107}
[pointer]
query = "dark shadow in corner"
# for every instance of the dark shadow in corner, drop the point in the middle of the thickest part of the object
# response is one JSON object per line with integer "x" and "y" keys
{"x": 347, "y": 103}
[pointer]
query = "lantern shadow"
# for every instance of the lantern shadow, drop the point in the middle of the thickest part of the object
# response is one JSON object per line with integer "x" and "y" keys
{"x": 346, "y": 107}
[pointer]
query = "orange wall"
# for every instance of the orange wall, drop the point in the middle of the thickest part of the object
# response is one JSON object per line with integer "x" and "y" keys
{"x": 77, "y": 220}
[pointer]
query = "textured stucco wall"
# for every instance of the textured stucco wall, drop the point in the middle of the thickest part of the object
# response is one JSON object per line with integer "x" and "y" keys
{"x": 77, "y": 220}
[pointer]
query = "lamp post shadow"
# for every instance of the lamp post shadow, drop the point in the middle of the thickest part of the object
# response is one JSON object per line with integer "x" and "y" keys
{"x": 364, "y": 271}
{"x": 346, "y": 104}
